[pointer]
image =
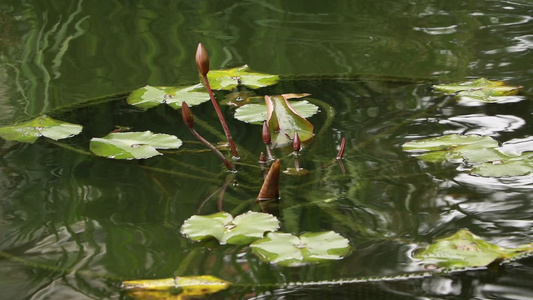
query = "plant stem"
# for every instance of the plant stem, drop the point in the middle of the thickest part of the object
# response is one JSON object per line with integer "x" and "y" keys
{"x": 221, "y": 118}
{"x": 213, "y": 148}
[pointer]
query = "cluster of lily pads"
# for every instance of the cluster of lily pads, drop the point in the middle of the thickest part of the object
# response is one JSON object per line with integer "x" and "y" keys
{"x": 276, "y": 247}
{"x": 289, "y": 117}
{"x": 479, "y": 154}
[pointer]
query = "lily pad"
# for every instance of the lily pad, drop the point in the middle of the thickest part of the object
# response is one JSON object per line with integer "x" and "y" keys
{"x": 29, "y": 132}
{"x": 231, "y": 78}
{"x": 454, "y": 147}
{"x": 133, "y": 145}
{"x": 257, "y": 113}
{"x": 150, "y": 96}
{"x": 478, "y": 151}
{"x": 479, "y": 89}
{"x": 284, "y": 122}
{"x": 288, "y": 250}
{"x": 464, "y": 249}
{"x": 511, "y": 166}
{"x": 242, "y": 229}
{"x": 168, "y": 288}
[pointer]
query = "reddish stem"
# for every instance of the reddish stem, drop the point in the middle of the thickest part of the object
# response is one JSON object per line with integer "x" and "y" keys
{"x": 221, "y": 118}
{"x": 341, "y": 150}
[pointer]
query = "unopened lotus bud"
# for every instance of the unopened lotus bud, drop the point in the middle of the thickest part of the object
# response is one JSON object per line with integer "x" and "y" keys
{"x": 266, "y": 134}
{"x": 262, "y": 158}
{"x": 202, "y": 59}
{"x": 296, "y": 145}
{"x": 187, "y": 115}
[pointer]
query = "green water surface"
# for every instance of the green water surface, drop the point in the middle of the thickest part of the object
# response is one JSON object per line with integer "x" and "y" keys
{"x": 73, "y": 225}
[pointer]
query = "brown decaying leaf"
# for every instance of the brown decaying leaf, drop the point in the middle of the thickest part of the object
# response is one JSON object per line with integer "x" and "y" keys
{"x": 270, "y": 188}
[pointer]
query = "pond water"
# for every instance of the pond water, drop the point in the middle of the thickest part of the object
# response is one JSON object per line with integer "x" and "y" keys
{"x": 74, "y": 225}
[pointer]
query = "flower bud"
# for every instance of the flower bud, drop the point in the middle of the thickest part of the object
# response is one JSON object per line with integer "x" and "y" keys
{"x": 296, "y": 142}
{"x": 266, "y": 134}
{"x": 187, "y": 115}
{"x": 202, "y": 59}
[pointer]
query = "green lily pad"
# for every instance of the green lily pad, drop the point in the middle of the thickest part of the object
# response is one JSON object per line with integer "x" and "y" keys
{"x": 231, "y": 78}
{"x": 242, "y": 229}
{"x": 284, "y": 122}
{"x": 452, "y": 147}
{"x": 511, "y": 166}
{"x": 478, "y": 151}
{"x": 464, "y": 249}
{"x": 29, "y": 132}
{"x": 479, "y": 89}
{"x": 288, "y": 250}
{"x": 133, "y": 145}
{"x": 257, "y": 113}
{"x": 150, "y": 96}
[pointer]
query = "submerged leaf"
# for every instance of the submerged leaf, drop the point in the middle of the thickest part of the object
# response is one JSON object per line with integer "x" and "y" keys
{"x": 289, "y": 250}
{"x": 464, "y": 249}
{"x": 133, "y": 145}
{"x": 150, "y": 96}
{"x": 231, "y": 78}
{"x": 242, "y": 229}
{"x": 284, "y": 122}
{"x": 171, "y": 287}
{"x": 30, "y": 131}
{"x": 480, "y": 89}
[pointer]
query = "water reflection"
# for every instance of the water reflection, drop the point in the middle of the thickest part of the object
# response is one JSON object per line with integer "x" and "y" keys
{"x": 483, "y": 125}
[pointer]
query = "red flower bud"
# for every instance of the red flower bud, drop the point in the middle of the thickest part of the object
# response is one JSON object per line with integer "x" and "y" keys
{"x": 262, "y": 158}
{"x": 266, "y": 134}
{"x": 187, "y": 115}
{"x": 202, "y": 59}
{"x": 296, "y": 142}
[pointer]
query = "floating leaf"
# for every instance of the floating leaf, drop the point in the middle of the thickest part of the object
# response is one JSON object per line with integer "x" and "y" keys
{"x": 478, "y": 151}
{"x": 150, "y": 96}
{"x": 257, "y": 113}
{"x": 464, "y": 249}
{"x": 175, "y": 287}
{"x": 511, "y": 166}
{"x": 480, "y": 89}
{"x": 452, "y": 147}
{"x": 133, "y": 145}
{"x": 284, "y": 121}
{"x": 29, "y": 132}
{"x": 231, "y": 78}
{"x": 289, "y": 250}
{"x": 242, "y": 229}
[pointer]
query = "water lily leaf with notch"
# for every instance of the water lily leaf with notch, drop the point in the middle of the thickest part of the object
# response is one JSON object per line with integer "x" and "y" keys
{"x": 241, "y": 230}
{"x": 133, "y": 145}
{"x": 455, "y": 147}
{"x": 231, "y": 78}
{"x": 150, "y": 96}
{"x": 288, "y": 250}
{"x": 170, "y": 287}
{"x": 30, "y": 131}
{"x": 257, "y": 113}
{"x": 480, "y": 89}
{"x": 464, "y": 249}
{"x": 284, "y": 121}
